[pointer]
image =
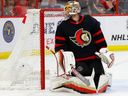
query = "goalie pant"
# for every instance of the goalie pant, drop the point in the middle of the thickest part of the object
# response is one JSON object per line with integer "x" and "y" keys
{"x": 85, "y": 68}
{"x": 83, "y": 38}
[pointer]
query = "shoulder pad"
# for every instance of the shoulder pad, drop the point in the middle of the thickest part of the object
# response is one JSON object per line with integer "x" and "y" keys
{"x": 61, "y": 21}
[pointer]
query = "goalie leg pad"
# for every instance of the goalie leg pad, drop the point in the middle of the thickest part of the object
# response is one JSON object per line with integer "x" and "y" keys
{"x": 73, "y": 83}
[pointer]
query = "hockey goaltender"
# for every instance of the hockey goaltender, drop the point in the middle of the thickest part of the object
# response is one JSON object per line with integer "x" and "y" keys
{"x": 81, "y": 49}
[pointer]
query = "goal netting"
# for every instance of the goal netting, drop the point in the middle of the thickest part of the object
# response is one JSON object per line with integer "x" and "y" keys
{"x": 30, "y": 64}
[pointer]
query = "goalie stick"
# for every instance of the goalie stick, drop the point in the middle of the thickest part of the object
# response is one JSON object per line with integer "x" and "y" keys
{"x": 54, "y": 56}
{"x": 77, "y": 74}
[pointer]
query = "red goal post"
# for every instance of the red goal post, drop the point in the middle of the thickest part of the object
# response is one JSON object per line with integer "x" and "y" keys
{"x": 49, "y": 19}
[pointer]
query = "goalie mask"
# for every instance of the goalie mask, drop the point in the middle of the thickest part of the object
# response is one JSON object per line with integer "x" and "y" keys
{"x": 72, "y": 8}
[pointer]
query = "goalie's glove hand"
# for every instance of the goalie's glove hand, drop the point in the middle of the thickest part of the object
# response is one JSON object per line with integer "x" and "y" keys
{"x": 106, "y": 56}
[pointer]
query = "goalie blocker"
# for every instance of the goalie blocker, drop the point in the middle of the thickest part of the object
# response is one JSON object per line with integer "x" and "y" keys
{"x": 76, "y": 82}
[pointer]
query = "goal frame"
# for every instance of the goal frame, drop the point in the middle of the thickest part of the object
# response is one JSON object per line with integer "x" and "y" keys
{"x": 42, "y": 54}
{"x": 42, "y": 43}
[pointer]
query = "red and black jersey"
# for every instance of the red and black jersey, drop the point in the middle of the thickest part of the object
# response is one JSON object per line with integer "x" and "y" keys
{"x": 83, "y": 38}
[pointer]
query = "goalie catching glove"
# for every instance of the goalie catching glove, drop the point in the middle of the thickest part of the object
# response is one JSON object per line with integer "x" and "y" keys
{"x": 106, "y": 56}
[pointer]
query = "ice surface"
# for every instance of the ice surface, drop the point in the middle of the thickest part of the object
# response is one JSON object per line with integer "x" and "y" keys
{"x": 119, "y": 82}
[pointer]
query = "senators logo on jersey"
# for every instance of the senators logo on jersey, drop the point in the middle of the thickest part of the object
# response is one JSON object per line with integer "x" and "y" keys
{"x": 82, "y": 38}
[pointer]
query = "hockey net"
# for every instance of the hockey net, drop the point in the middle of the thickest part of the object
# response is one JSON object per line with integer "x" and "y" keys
{"x": 30, "y": 64}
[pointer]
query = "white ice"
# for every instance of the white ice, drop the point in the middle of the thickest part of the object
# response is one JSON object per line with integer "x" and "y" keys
{"x": 119, "y": 82}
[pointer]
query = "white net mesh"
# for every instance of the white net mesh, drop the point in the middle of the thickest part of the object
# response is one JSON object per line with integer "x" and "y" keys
{"x": 22, "y": 69}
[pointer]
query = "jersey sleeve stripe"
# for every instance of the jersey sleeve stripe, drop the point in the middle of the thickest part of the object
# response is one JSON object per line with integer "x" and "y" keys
{"x": 97, "y": 33}
{"x": 58, "y": 45}
{"x": 100, "y": 41}
{"x": 60, "y": 38}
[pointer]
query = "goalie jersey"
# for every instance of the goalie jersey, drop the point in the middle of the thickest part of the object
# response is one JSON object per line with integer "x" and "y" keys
{"x": 83, "y": 38}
